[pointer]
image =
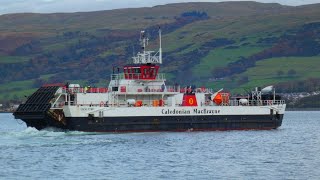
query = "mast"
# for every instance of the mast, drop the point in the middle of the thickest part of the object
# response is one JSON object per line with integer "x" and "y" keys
{"x": 143, "y": 41}
{"x": 160, "y": 48}
{"x": 146, "y": 56}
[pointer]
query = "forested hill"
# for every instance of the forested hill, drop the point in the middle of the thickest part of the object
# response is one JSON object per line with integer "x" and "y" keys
{"x": 235, "y": 45}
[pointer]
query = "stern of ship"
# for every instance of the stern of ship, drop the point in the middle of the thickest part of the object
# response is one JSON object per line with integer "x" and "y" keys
{"x": 36, "y": 111}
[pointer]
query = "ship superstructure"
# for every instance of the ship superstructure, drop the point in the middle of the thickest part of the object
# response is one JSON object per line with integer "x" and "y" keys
{"x": 138, "y": 99}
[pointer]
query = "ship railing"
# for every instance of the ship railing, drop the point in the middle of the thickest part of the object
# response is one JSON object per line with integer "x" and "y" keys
{"x": 255, "y": 103}
{"x": 161, "y": 103}
{"x": 162, "y": 88}
{"x": 188, "y": 89}
{"x": 137, "y": 76}
{"x": 60, "y": 104}
{"x": 137, "y": 103}
{"x": 84, "y": 90}
{"x": 148, "y": 89}
{"x": 137, "y": 89}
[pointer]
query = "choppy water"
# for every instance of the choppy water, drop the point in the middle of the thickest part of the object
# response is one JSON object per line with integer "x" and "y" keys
{"x": 290, "y": 152}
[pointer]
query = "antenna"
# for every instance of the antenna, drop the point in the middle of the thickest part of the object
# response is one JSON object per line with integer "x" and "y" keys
{"x": 133, "y": 50}
{"x": 147, "y": 57}
{"x": 143, "y": 41}
{"x": 160, "y": 48}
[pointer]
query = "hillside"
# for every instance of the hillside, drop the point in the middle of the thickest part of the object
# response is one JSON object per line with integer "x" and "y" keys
{"x": 235, "y": 45}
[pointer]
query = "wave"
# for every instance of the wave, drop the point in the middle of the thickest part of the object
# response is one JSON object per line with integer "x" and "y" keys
{"x": 49, "y": 137}
{"x": 47, "y": 132}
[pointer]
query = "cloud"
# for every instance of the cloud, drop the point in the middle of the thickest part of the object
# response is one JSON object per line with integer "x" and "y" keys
{"x": 50, "y": 6}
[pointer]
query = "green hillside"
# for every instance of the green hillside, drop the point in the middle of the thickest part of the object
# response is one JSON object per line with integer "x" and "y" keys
{"x": 235, "y": 45}
{"x": 276, "y": 70}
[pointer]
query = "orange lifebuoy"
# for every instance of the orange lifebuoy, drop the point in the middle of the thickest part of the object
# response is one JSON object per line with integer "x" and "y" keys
{"x": 101, "y": 104}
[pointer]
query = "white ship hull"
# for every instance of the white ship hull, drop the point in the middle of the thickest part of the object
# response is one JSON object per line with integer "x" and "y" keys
{"x": 84, "y": 111}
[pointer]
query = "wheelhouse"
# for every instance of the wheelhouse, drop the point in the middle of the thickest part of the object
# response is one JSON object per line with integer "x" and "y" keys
{"x": 143, "y": 71}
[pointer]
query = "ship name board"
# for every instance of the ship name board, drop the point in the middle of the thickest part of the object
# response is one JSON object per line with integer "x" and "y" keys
{"x": 194, "y": 111}
{"x": 86, "y": 109}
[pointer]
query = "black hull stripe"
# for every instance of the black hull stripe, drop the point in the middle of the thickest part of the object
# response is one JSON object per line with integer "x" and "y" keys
{"x": 162, "y": 123}
{"x": 174, "y": 123}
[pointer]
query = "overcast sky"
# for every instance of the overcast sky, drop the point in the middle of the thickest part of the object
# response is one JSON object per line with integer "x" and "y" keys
{"x": 49, "y": 6}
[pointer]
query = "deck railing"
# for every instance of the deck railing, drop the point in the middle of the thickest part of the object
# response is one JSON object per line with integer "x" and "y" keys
{"x": 137, "y": 89}
{"x": 161, "y": 103}
{"x": 160, "y": 76}
{"x": 84, "y": 90}
{"x": 255, "y": 102}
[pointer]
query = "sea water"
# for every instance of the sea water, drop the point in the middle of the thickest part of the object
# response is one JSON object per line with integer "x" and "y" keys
{"x": 290, "y": 152}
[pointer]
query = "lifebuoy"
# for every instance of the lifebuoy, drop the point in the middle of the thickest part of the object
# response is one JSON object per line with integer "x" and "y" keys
{"x": 101, "y": 104}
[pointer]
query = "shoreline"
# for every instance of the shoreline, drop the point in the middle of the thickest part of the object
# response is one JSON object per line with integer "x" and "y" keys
{"x": 302, "y": 109}
{"x": 6, "y": 112}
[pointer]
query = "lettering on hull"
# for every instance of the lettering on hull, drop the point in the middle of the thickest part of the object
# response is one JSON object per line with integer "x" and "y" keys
{"x": 194, "y": 111}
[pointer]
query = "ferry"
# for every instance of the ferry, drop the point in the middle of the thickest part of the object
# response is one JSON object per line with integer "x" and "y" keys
{"x": 138, "y": 99}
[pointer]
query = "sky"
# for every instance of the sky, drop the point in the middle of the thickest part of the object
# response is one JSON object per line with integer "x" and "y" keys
{"x": 51, "y": 6}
